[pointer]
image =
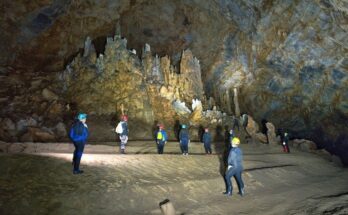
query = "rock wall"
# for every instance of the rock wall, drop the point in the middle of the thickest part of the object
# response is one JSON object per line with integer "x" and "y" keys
{"x": 290, "y": 63}
{"x": 149, "y": 89}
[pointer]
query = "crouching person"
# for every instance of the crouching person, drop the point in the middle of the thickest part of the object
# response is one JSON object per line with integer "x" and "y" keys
{"x": 235, "y": 168}
{"x": 161, "y": 139}
{"x": 79, "y": 134}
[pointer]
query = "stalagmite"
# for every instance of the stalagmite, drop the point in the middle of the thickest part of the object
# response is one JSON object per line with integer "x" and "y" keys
{"x": 236, "y": 103}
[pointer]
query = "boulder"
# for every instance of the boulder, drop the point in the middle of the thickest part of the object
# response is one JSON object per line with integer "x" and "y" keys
{"x": 39, "y": 135}
{"x": 260, "y": 137}
{"x": 49, "y": 95}
{"x": 252, "y": 127}
{"x": 60, "y": 130}
{"x": 337, "y": 160}
{"x": 308, "y": 146}
{"x": 272, "y": 138}
{"x": 27, "y": 137}
{"x": 324, "y": 154}
{"x": 304, "y": 145}
{"x": 22, "y": 124}
{"x": 8, "y": 124}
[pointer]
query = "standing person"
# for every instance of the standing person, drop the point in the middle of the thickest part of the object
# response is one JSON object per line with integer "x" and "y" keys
{"x": 235, "y": 168}
{"x": 79, "y": 134}
{"x": 122, "y": 131}
{"x": 161, "y": 139}
{"x": 184, "y": 139}
{"x": 231, "y": 136}
{"x": 235, "y": 123}
{"x": 286, "y": 143}
{"x": 206, "y": 141}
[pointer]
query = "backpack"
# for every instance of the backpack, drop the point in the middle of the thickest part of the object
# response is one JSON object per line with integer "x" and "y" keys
{"x": 119, "y": 128}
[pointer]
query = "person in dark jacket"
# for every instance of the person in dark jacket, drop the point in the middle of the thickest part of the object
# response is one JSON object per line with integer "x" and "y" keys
{"x": 161, "y": 139}
{"x": 206, "y": 141}
{"x": 122, "y": 131}
{"x": 235, "y": 168}
{"x": 184, "y": 139}
{"x": 235, "y": 123}
{"x": 286, "y": 148}
{"x": 79, "y": 134}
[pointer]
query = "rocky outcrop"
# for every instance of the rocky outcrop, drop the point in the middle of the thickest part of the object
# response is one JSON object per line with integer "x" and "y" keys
{"x": 149, "y": 89}
{"x": 253, "y": 130}
{"x": 271, "y": 135}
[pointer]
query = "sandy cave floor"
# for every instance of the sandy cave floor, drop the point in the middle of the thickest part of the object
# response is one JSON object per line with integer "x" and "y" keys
{"x": 40, "y": 181}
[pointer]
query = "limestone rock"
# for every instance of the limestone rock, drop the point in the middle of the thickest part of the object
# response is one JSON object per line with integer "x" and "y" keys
{"x": 39, "y": 135}
{"x": 60, "y": 130}
{"x": 260, "y": 137}
{"x": 271, "y": 135}
{"x": 304, "y": 145}
{"x": 252, "y": 127}
{"x": 49, "y": 95}
{"x": 27, "y": 137}
{"x": 8, "y": 124}
{"x": 22, "y": 124}
{"x": 337, "y": 160}
{"x": 197, "y": 113}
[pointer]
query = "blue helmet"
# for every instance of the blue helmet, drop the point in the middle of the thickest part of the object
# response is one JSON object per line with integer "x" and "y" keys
{"x": 82, "y": 116}
{"x": 183, "y": 126}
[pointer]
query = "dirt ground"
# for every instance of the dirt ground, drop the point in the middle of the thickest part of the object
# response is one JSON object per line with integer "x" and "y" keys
{"x": 38, "y": 179}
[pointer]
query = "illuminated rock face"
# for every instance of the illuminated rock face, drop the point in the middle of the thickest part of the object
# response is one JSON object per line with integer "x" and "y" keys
{"x": 149, "y": 88}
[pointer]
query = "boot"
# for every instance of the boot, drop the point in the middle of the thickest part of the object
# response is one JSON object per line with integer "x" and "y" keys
{"x": 75, "y": 172}
{"x": 241, "y": 192}
{"x": 228, "y": 192}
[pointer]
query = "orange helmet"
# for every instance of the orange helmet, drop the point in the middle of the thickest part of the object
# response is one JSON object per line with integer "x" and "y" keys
{"x": 124, "y": 118}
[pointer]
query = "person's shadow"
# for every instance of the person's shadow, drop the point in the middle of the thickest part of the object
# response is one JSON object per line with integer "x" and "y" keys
{"x": 223, "y": 151}
{"x": 177, "y": 128}
{"x": 154, "y": 129}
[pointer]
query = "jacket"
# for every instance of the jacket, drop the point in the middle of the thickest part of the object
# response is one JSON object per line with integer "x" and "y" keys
{"x": 164, "y": 136}
{"x": 79, "y": 132}
{"x": 206, "y": 137}
{"x": 184, "y": 135}
{"x": 235, "y": 158}
{"x": 124, "y": 128}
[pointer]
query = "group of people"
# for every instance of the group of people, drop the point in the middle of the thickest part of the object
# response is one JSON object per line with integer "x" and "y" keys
{"x": 79, "y": 134}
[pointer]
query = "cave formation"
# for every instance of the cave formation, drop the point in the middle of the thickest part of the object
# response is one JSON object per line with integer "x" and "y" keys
{"x": 283, "y": 63}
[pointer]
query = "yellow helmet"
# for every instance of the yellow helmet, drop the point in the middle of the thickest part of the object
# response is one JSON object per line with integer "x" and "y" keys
{"x": 235, "y": 141}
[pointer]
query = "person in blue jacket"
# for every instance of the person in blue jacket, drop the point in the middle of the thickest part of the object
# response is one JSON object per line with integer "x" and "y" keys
{"x": 79, "y": 134}
{"x": 184, "y": 138}
{"x": 235, "y": 168}
{"x": 161, "y": 139}
{"x": 206, "y": 141}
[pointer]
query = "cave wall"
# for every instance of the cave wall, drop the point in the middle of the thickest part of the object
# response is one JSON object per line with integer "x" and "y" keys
{"x": 288, "y": 59}
{"x": 290, "y": 64}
